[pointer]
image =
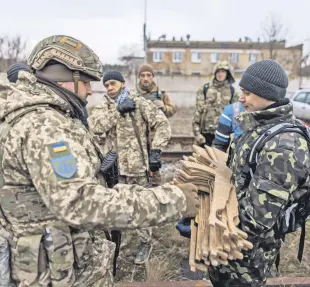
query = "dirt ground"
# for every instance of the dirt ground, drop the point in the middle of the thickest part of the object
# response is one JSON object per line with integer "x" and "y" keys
{"x": 181, "y": 121}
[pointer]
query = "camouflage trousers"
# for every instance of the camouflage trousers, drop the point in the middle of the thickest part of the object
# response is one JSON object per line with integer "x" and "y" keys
{"x": 84, "y": 261}
{"x": 145, "y": 234}
{"x": 252, "y": 271}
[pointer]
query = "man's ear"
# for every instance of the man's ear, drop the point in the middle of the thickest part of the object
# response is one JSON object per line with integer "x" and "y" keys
{"x": 123, "y": 85}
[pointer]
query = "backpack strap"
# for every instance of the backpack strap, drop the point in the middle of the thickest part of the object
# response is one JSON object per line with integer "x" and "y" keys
{"x": 232, "y": 93}
{"x": 266, "y": 136}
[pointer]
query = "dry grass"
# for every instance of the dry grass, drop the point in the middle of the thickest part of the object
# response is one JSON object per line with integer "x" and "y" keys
{"x": 289, "y": 264}
{"x": 171, "y": 250}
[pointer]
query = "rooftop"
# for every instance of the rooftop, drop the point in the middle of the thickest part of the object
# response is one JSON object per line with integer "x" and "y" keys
{"x": 218, "y": 44}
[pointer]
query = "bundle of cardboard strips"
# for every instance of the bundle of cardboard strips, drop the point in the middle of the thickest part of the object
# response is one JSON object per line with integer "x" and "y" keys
{"x": 215, "y": 238}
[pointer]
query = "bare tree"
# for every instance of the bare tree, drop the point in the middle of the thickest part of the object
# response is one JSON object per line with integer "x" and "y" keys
{"x": 131, "y": 56}
{"x": 273, "y": 33}
{"x": 12, "y": 50}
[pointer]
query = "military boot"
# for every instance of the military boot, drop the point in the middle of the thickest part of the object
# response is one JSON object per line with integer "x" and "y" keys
{"x": 144, "y": 253}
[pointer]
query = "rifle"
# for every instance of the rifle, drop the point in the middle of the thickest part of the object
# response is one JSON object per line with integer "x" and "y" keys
{"x": 149, "y": 147}
{"x": 109, "y": 169}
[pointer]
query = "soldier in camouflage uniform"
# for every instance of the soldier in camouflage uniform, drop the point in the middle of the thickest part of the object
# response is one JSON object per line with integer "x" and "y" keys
{"x": 210, "y": 102}
{"x": 148, "y": 89}
{"x": 281, "y": 175}
{"x": 123, "y": 118}
{"x": 54, "y": 206}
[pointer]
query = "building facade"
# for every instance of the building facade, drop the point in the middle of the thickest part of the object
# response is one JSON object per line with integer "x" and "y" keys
{"x": 199, "y": 57}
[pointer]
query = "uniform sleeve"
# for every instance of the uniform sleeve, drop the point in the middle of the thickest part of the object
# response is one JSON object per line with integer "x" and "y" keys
{"x": 79, "y": 200}
{"x": 281, "y": 170}
{"x": 170, "y": 108}
{"x": 158, "y": 122}
{"x": 198, "y": 112}
{"x": 103, "y": 117}
{"x": 224, "y": 130}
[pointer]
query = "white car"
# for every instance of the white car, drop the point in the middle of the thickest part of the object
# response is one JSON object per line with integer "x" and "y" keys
{"x": 301, "y": 103}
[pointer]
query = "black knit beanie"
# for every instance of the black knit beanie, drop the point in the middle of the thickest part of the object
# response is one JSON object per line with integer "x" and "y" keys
{"x": 266, "y": 79}
{"x": 113, "y": 75}
{"x": 12, "y": 72}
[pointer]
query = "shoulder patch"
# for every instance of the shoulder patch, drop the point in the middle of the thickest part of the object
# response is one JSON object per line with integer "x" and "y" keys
{"x": 63, "y": 162}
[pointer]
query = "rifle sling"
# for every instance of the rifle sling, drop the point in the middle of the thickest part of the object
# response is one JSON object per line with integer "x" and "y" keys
{"x": 136, "y": 129}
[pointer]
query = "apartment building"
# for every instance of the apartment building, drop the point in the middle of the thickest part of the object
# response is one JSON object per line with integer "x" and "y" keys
{"x": 186, "y": 57}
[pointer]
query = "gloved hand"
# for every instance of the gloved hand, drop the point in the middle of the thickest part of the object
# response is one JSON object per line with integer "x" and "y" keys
{"x": 200, "y": 140}
{"x": 155, "y": 163}
{"x": 127, "y": 106}
{"x": 160, "y": 105}
{"x": 184, "y": 227}
{"x": 191, "y": 193}
{"x": 108, "y": 161}
{"x": 109, "y": 168}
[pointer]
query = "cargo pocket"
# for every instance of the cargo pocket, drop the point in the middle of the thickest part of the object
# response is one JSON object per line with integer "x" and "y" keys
{"x": 161, "y": 196}
{"x": 163, "y": 199}
{"x": 27, "y": 257}
{"x": 58, "y": 243}
{"x": 103, "y": 253}
{"x": 83, "y": 249}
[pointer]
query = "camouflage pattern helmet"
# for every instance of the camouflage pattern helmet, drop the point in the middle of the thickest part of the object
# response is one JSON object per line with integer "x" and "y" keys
{"x": 225, "y": 65}
{"x": 68, "y": 51}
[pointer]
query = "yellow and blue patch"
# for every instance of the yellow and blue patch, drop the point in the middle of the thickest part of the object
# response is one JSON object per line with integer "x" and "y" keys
{"x": 63, "y": 162}
{"x": 59, "y": 147}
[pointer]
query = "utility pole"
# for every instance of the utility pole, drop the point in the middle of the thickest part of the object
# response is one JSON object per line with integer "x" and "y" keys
{"x": 144, "y": 31}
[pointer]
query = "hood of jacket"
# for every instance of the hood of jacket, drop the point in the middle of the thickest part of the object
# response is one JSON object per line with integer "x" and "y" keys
{"x": 27, "y": 92}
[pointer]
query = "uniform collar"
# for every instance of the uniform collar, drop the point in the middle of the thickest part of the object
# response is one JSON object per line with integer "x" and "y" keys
{"x": 272, "y": 115}
{"x": 141, "y": 91}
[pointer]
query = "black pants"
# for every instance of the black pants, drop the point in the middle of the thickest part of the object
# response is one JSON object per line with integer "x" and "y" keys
{"x": 209, "y": 139}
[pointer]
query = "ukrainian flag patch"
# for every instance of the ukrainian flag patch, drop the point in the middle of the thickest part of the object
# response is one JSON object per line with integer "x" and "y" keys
{"x": 63, "y": 162}
{"x": 59, "y": 147}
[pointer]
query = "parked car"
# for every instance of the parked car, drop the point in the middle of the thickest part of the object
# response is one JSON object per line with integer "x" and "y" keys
{"x": 301, "y": 103}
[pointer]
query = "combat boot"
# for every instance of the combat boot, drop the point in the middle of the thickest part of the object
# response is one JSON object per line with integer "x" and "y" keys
{"x": 144, "y": 253}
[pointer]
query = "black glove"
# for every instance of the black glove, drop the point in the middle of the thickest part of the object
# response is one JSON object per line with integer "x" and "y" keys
{"x": 127, "y": 106}
{"x": 184, "y": 227}
{"x": 109, "y": 168}
{"x": 155, "y": 163}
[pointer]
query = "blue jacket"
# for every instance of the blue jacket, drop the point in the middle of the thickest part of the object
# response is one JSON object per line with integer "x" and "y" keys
{"x": 227, "y": 126}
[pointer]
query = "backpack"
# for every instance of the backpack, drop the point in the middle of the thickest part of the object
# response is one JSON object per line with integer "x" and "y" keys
{"x": 295, "y": 215}
{"x": 205, "y": 90}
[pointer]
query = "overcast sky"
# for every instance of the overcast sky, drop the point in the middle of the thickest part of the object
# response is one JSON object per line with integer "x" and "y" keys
{"x": 106, "y": 25}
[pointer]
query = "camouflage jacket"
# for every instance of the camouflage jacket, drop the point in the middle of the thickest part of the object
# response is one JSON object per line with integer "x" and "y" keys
{"x": 53, "y": 203}
{"x": 121, "y": 132}
{"x": 282, "y": 172}
{"x": 156, "y": 94}
{"x": 207, "y": 112}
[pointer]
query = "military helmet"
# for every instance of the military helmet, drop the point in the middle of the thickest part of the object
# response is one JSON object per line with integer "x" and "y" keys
{"x": 225, "y": 65}
{"x": 68, "y": 51}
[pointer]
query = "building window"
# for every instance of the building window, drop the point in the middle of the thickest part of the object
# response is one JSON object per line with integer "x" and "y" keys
{"x": 215, "y": 57}
{"x": 252, "y": 58}
{"x": 177, "y": 57}
{"x": 157, "y": 56}
{"x": 196, "y": 73}
{"x": 234, "y": 57}
{"x": 196, "y": 57}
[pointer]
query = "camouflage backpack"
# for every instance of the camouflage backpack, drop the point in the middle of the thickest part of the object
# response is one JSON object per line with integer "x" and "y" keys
{"x": 295, "y": 215}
